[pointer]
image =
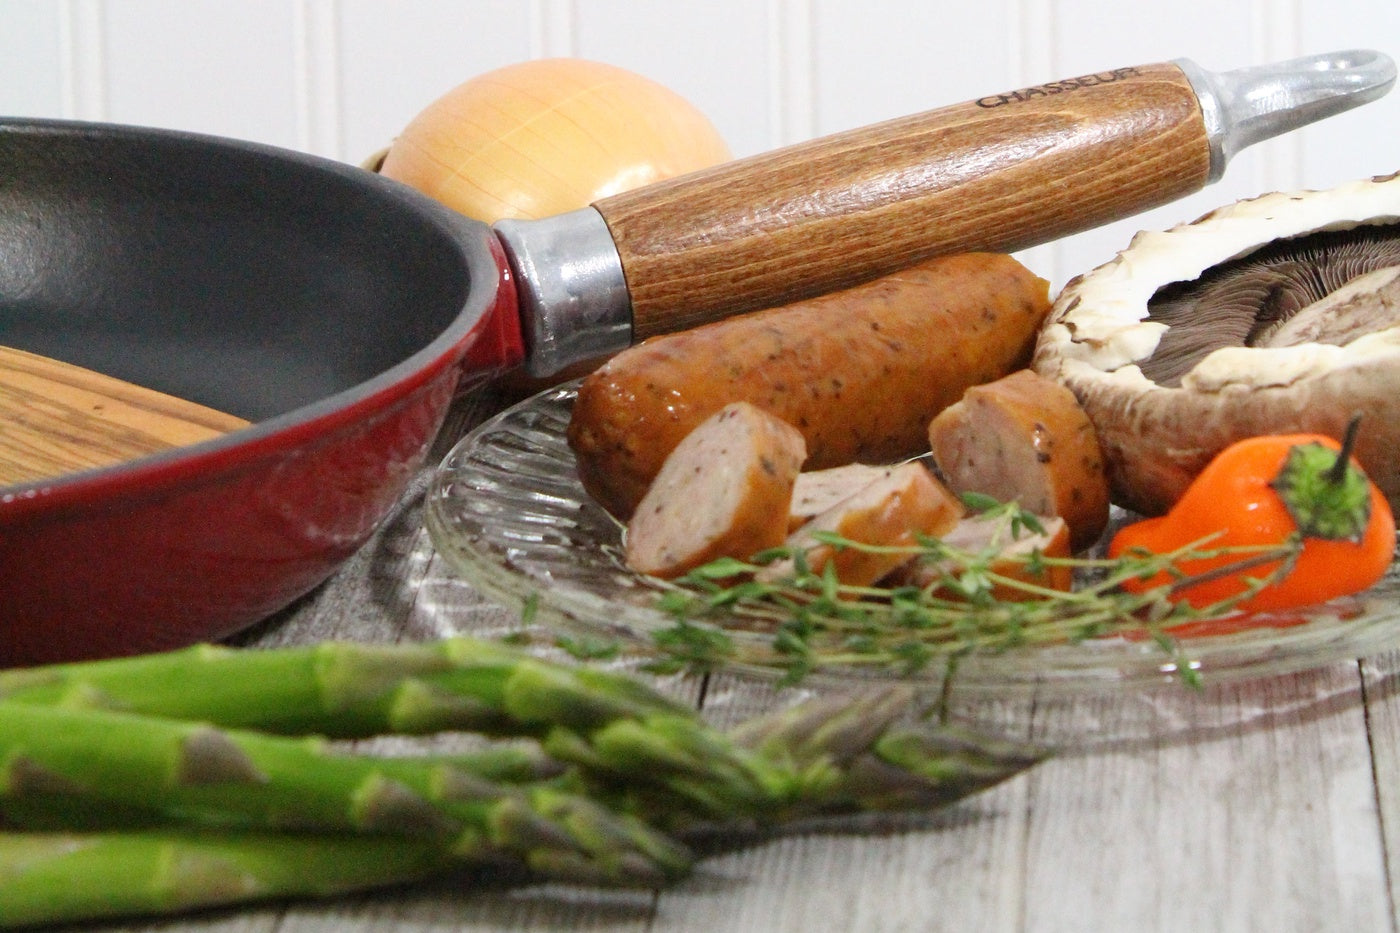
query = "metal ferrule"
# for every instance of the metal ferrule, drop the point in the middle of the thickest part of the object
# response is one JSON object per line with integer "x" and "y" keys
{"x": 1248, "y": 105}
{"x": 574, "y": 304}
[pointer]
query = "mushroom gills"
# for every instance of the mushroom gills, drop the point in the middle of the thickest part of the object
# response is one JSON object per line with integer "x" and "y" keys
{"x": 1328, "y": 286}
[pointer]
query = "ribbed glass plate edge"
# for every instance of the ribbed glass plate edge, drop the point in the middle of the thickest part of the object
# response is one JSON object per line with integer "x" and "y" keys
{"x": 506, "y": 510}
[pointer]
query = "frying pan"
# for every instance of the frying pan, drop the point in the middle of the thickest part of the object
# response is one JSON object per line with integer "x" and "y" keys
{"x": 340, "y": 312}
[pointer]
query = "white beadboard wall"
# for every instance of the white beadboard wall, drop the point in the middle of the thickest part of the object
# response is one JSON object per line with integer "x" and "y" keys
{"x": 340, "y": 77}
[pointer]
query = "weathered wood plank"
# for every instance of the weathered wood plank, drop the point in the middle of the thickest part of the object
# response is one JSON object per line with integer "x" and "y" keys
{"x": 1261, "y": 815}
{"x": 958, "y": 869}
{"x": 1382, "y": 685}
{"x": 468, "y": 904}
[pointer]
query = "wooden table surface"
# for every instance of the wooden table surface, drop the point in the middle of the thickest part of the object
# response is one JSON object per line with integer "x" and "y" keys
{"x": 1265, "y": 805}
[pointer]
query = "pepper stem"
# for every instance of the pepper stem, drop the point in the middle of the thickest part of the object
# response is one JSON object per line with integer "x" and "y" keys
{"x": 1325, "y": 494}
{"x": 1338, "y": 473}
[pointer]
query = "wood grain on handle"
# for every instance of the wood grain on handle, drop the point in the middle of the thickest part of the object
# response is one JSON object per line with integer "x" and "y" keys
{"x": 57, "y": 418}
{"x": 996, "y": 174}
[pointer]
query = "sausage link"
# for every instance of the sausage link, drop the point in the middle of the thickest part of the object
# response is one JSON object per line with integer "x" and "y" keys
{"x": 859, "y": 372}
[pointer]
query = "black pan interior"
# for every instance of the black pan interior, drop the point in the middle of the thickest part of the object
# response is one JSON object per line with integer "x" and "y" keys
{"x": 249, "y": 279}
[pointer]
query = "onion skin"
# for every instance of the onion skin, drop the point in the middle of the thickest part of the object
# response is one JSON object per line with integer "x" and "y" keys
{"x": 547, "y": 136}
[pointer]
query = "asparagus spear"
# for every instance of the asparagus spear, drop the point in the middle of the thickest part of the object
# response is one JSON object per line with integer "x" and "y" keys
{"x": 66, "y": 877}
{"x": 344, "y": 689}
{"x": 862, "y": 755}
{"x": 351, "y": 690}
{"x": 630, "y": 747}
{"x": 843, "y": 755}
{"x": 194, "y": 771}
{"x": 827, "y": 757}
{"x": 516, "y": 762}
{"x": 640, "y": 749}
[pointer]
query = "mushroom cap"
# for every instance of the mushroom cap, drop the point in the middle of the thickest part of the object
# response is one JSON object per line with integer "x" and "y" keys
{"x": 1159, "y": 426}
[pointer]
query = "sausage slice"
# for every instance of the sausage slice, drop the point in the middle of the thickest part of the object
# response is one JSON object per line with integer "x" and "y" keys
{"x": 725, "y": 491}
{"x": 1006, "y": 551}
{"x": 1025, "y": 438}
{"x": 903, "y": 503}
{"x": 818, "y": 490}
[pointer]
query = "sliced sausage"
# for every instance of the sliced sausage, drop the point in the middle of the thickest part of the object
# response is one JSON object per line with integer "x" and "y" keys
{"x": 1005, "y": 549}
{"x": 1025, "y": 438}
{"x": 725, "y": 491}
{"x": 858, "y": 372}
{"x": 903, "y": 503}
{"x": 818, "y": 490}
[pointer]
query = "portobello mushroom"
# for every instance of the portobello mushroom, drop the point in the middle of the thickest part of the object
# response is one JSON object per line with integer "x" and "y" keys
{"x": 1276, "y": 314}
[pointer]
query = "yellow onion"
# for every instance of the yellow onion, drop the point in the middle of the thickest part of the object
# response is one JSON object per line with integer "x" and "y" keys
{"x": 547, "y": 136}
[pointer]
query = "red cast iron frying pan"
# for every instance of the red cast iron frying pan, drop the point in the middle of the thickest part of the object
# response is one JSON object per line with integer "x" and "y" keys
{"x": 339, "y": 311}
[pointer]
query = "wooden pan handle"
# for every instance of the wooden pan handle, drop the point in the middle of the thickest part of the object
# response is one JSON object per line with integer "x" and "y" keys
{"x": 58, "y": 418}
{"x": 996, "y": 174}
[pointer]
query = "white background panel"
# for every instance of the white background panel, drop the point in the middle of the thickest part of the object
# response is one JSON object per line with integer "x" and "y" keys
{"x": 341, "y": 77}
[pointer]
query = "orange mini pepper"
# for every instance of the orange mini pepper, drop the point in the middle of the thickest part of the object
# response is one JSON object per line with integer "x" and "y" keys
{"x": 1261, "y": 491}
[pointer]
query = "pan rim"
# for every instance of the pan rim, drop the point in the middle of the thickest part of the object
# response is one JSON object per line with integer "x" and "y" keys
{"x": 153, "y": 475}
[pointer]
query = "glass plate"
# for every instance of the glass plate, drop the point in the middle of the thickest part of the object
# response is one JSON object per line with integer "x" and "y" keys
{"x": 507, "y": 511}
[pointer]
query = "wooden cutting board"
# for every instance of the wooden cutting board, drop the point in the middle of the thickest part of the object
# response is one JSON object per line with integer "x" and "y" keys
{"x": 56, "y": 418}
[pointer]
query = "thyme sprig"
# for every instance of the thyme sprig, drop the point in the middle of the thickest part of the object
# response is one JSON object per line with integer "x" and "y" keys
{"x": 809, "y": 621}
